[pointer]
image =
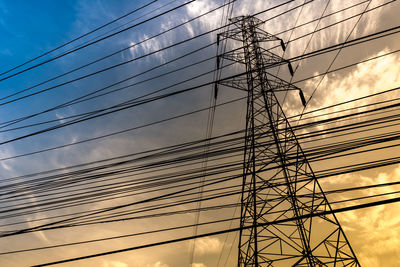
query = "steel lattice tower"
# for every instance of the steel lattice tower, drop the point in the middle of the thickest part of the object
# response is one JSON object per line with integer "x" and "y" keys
{"x": 278, "y": 181}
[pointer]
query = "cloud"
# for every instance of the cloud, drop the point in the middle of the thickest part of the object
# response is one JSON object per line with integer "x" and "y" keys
{"x": 4, "y": 165}
{"x": 160, "y": 264}
{"x": 142, "y": 47}
{"x": 208, "y": 245}
{"x": 205, "y": 23}
{"x": 337, "y": 89}
{"x": 374, "y": 232}
{"x": 6, "y": 52}
{"x": 366, "y": 78}
{"x": 114, "y": 264}
{"x": 200, "y": 7}
{"x": 3, "y": 11}
{"x": 88, "y": 14}
{"x": 39, "y": 234}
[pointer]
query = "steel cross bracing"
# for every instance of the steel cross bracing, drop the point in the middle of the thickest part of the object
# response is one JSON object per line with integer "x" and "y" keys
{"x": 276, "y": 185}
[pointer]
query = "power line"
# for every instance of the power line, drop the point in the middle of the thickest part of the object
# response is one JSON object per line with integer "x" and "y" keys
{"x": 96, "y": 41}
{"x": 110, "y": 55}
{"x": 74, "y": 101}
{"x": 315, "y": 214}
{"x": 79, "y": 37}
{"x": 127, "y": 104}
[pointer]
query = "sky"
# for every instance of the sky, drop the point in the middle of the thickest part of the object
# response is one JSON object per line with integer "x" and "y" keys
{"x": 30, "y": 28}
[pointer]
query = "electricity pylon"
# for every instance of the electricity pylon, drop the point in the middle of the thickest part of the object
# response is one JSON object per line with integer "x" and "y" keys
{"x": 278, "y": 182}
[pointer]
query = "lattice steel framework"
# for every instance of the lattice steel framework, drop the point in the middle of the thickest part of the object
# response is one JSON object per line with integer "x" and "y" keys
{"x": 278, "y": 181}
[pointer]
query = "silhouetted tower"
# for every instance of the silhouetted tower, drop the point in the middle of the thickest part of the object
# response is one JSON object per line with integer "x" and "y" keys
{"x": 278, "y": 181}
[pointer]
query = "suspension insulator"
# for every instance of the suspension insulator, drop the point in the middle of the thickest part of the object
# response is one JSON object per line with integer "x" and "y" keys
{"x": 303, "y": 99}
{"x": 290, "y": 68}
{"x": 215, "y": 90}
{"x": 283, "y": 45}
